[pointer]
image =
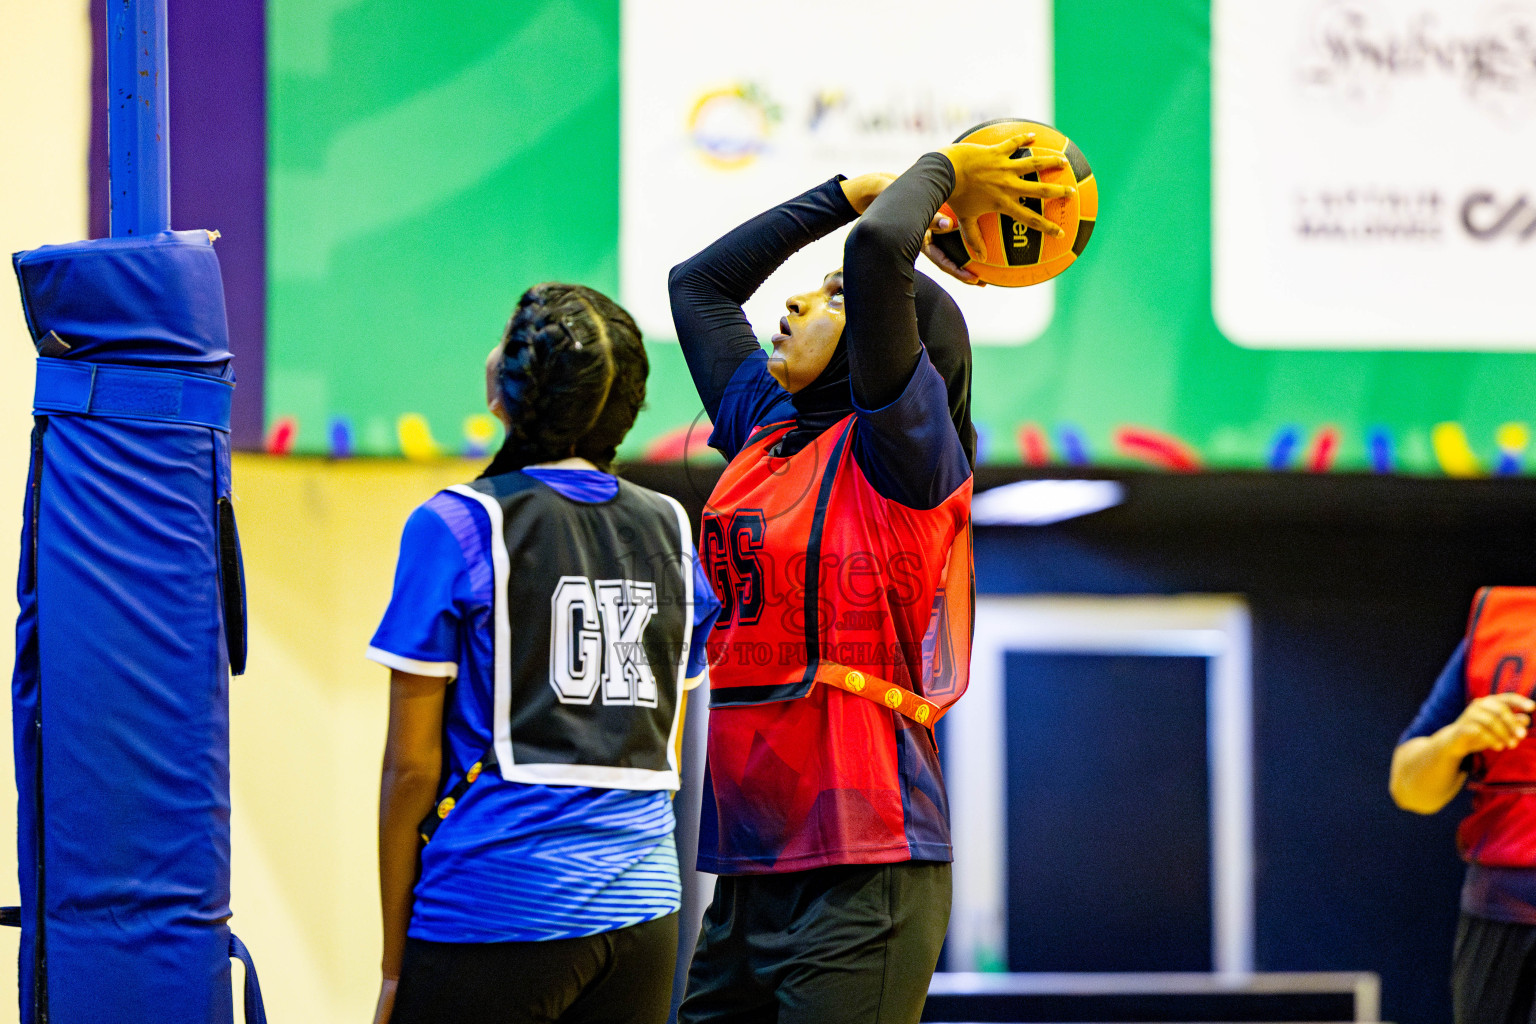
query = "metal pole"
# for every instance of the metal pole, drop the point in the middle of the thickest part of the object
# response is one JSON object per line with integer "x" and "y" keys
{"x": 138, "y": 117}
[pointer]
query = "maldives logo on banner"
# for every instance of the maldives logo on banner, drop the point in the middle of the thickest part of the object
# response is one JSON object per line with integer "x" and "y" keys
{"x": 724, "y": 117}
{"x": 1374, "y": 174}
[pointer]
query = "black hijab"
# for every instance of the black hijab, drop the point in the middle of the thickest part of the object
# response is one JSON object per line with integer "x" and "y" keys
{"x": 821, "y": 403}
{"x": 827, "y": 399}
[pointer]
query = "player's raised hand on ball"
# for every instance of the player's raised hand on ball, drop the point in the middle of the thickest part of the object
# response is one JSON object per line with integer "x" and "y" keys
{"x": 943, "y": 223}
{"x": 990, "y": 179}
{"x": 1498, "y": 721}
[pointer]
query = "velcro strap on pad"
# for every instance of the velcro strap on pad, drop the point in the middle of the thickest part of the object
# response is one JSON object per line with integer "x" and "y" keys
{"x": 130, "y": 392}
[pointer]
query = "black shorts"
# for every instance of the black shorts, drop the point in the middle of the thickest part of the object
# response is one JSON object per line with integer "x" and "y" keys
{"x": 840, "y": 945}
{"x": 1493, "y": 977}
{"x": 615, "y": 977}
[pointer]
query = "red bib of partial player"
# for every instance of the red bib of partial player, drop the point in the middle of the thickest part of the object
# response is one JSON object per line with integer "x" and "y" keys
{"x": 1501, "y": 658}
{"x": 814, "y": 567}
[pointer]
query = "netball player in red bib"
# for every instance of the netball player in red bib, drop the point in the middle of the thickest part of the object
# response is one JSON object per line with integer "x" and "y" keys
{"x": 837, "y": 540}
{"x": 1471, "y": 731}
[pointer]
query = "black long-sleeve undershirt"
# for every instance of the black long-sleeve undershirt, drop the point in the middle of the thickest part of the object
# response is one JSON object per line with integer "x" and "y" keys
{"x": 880, "y": 281}
{"x": 707, "y": 290}
{"x": 892, "y": 312}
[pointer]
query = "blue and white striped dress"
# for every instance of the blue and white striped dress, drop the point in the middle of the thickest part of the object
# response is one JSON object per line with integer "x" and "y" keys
{"x": 516, "y": 862}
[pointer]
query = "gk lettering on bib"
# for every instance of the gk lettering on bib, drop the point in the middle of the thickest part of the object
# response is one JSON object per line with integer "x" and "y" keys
{"x": 593, "y": 620}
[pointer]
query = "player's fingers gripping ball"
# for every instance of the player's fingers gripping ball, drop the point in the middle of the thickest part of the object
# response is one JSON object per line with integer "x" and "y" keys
{"x": 1016, "y": 253}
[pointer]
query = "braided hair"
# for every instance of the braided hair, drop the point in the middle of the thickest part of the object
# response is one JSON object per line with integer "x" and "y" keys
{"x": 557, "y": 370}
{"x": 631, "y": 368}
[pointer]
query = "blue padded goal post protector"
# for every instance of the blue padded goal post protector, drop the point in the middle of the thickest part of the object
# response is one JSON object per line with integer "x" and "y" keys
{"x": 132, "y": 617}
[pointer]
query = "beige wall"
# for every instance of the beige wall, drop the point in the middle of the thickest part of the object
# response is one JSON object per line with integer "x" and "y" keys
{"x": 44, "y": 132}
{"x": 307, "y": 720}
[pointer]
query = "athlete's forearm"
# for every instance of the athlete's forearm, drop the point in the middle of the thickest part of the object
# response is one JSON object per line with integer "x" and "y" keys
{"x": 879, "y": 280}
{"x": 1426, "y": 772}
{"x": 405, "y": 798}
{"x": 407, "y": 790}
{"x": 707, "y": 290}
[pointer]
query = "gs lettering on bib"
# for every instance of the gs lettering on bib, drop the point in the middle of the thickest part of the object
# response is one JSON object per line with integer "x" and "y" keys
{"x": 1501, "y": 658}
{"x": 814, "y": 567}
{"x": 592, "y": 622}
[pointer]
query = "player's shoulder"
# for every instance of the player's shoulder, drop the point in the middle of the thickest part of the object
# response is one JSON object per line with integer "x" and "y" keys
{"x": 449, "y": 519}
{"x": 751, "y": 399}
{"x": 665, "y": 505}
{"x": 923, "y": 472}
{"x": 447, "y": 502}
{"x": 451, "y": 507}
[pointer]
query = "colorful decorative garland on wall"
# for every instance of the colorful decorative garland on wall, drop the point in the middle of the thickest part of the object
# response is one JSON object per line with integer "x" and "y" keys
{"x": 1291, "y": 448}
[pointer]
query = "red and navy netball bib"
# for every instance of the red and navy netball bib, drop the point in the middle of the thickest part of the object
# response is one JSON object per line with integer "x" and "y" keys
{"x": 812, "y": 564}
{"x": 1501, "y": 658}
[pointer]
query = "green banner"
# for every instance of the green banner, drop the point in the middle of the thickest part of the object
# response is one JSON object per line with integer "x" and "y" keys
{"x": 429, "y": 162}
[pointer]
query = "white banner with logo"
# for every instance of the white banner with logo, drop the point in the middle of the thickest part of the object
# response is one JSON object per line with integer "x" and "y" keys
{"x": 1374, "y": 173}
{"x": 729, "y": 110}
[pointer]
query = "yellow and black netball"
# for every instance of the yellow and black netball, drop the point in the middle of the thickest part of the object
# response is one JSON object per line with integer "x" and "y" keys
{"x": 1017, "y": 254}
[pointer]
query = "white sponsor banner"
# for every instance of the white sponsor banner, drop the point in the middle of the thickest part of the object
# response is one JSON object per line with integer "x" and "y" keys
{"x": 729, "y": 110}
{"x": 1374, "y": 174}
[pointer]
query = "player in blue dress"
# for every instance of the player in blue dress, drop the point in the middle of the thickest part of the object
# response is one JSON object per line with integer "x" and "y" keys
{"x": 544, "y": 625}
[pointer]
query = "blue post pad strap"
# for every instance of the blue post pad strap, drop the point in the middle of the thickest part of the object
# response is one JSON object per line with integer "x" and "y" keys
{"x": 255, "y": 1011}
{"x": 125, "y": 392}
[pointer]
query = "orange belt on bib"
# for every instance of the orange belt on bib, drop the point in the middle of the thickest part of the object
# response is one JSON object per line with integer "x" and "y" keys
{"x": 898, "y": 698}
